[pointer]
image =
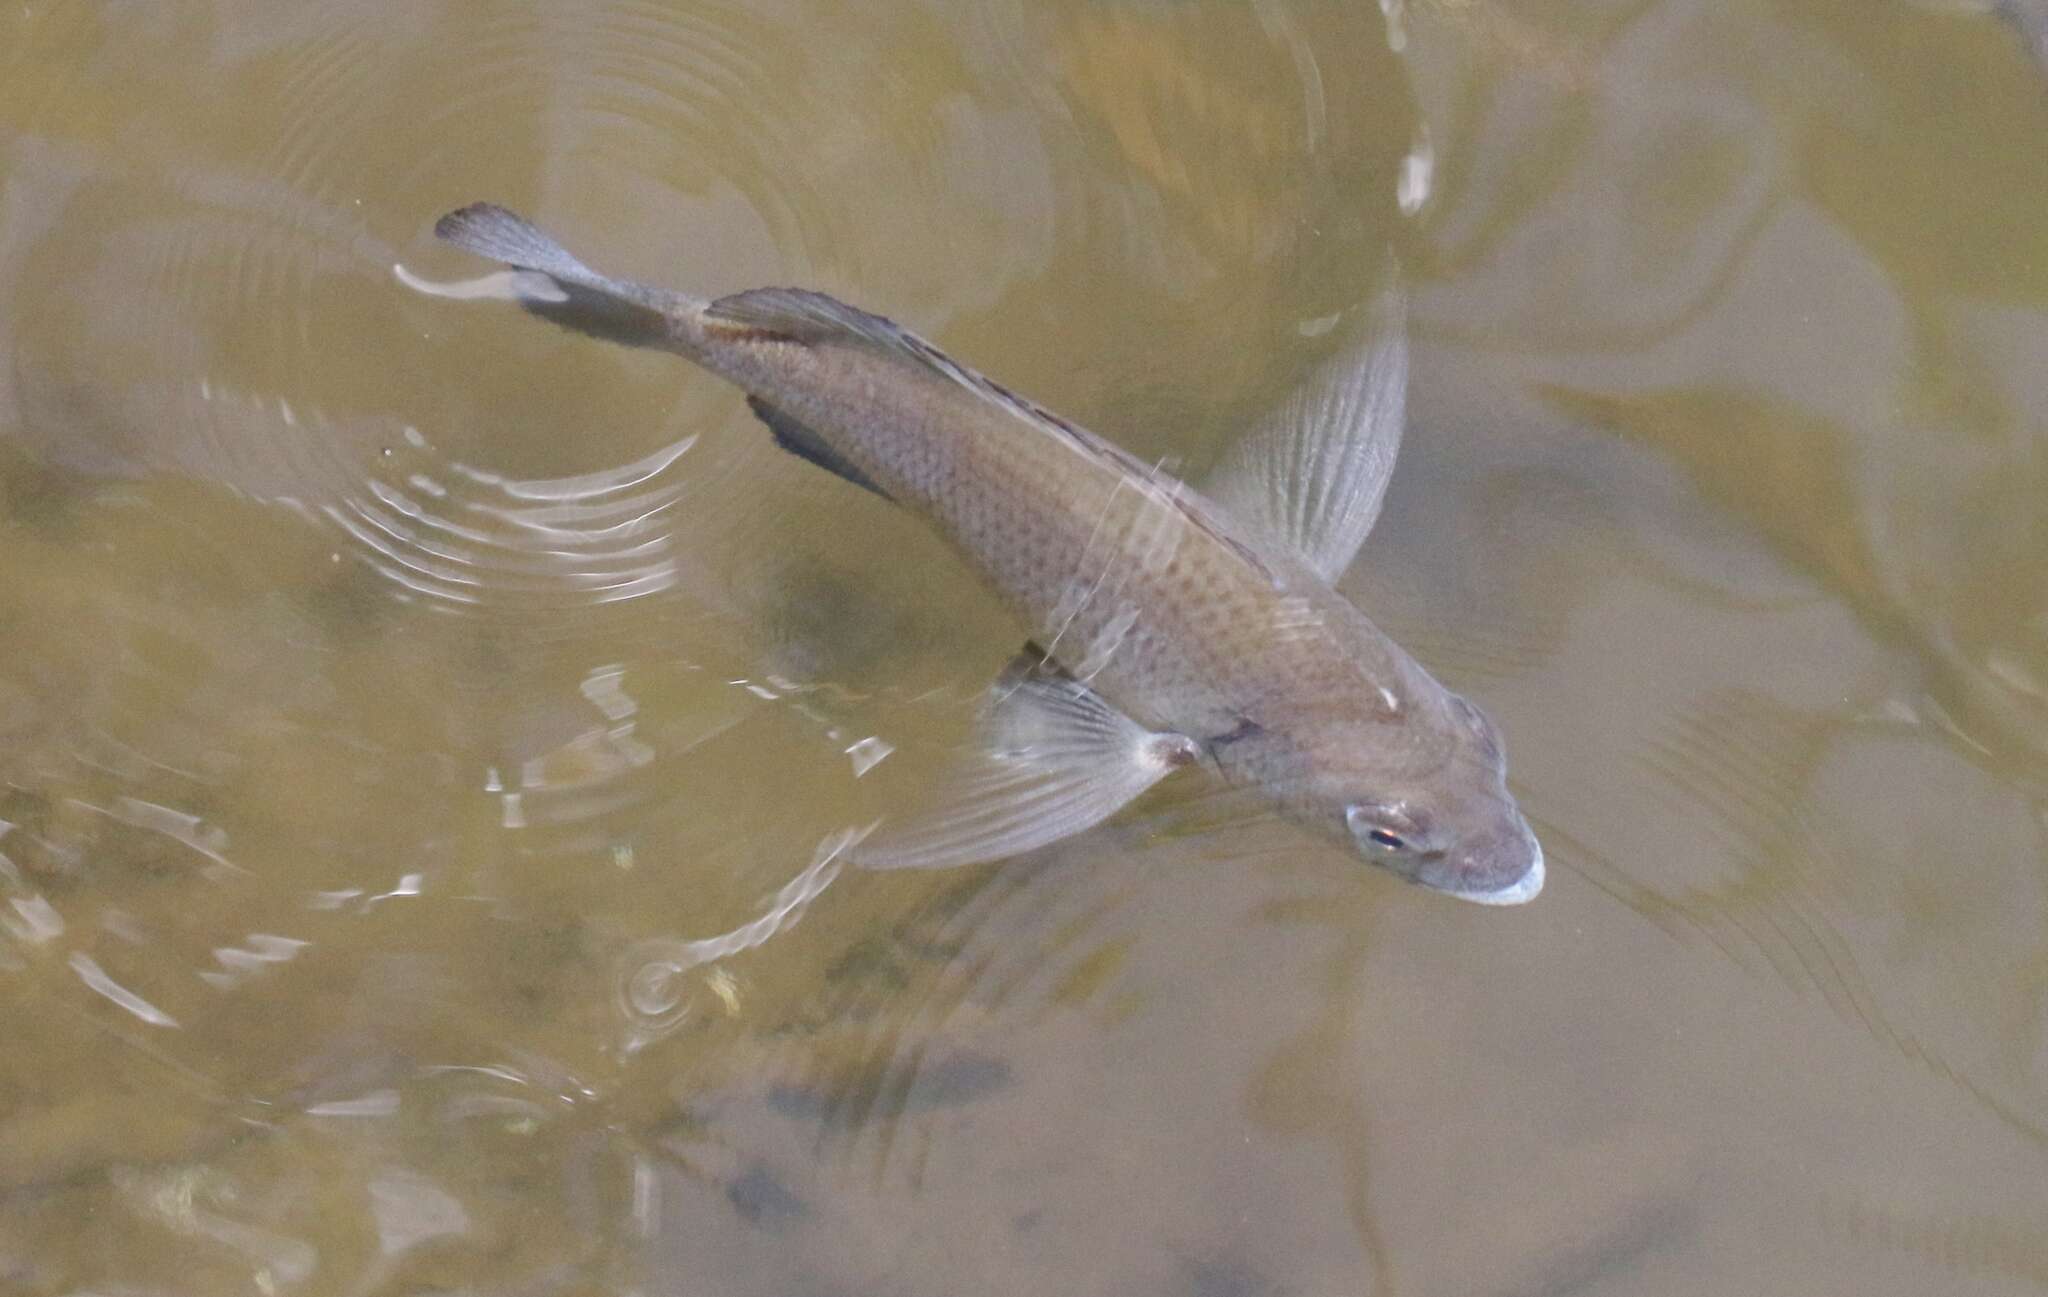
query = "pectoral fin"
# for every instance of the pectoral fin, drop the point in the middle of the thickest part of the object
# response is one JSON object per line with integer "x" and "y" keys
{"x": 1054, "y": 759}
{"x": 1313, "y": 473}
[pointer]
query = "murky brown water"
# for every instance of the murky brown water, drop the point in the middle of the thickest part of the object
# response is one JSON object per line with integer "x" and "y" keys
{"x": 379, "y": 674}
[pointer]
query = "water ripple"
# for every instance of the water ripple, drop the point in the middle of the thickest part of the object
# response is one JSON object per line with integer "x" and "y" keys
{"x": 468, "y": 534}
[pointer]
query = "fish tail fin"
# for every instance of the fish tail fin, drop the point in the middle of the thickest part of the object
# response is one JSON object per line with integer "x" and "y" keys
{"x": 547, "y": 280}
{"x": 491, "y": 231}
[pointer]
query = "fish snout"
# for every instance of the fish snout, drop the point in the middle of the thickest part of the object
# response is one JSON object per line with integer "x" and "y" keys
{"x": 1505, "y": 867}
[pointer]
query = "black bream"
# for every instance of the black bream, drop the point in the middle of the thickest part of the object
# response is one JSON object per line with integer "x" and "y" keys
{"x": 1167, "y": 626}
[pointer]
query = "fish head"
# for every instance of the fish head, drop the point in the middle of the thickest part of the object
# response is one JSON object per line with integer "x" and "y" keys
{"x": 1449, "y": 824}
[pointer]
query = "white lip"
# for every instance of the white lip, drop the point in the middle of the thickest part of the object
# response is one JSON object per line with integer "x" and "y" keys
{"x": 1520, "y": 892}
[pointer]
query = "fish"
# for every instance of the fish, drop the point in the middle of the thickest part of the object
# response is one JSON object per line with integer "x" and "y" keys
{"x": 1166, "y": 626}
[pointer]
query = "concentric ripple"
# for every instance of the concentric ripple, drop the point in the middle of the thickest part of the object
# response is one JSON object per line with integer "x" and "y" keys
{"x": 469, "y": 534}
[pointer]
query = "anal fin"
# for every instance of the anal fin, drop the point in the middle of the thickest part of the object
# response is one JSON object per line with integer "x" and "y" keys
{"x": 798, "y": 439}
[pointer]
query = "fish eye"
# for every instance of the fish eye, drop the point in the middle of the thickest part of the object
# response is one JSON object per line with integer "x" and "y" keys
{"x": 1388, "y": 828}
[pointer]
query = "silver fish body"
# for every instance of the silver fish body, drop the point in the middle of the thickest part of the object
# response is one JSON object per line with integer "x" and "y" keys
{"x": 1173, "y": 628}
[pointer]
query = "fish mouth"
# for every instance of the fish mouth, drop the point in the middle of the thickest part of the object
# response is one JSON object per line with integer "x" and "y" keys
{"x": 1519, "y": 892}
{"x": 1514, "y": 894}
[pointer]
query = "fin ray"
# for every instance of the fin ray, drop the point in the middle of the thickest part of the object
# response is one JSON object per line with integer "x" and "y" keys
{"x": 802, "y": 315}
{"x": 550, "y": 282}
{"x": 815, "y": 319}
{"x": 1313, "y": 474}
{"x": 492, "y": 231}
{"x": 1054, "y": 760}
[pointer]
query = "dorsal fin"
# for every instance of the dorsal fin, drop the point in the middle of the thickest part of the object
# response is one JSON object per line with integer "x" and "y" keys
{"x": 809, "y": 318}
{"x": 817, "y": 319}
{"x": 801, "y": 315}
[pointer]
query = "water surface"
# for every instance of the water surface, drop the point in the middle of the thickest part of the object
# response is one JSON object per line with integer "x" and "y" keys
{"x": 385, "y": 681}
